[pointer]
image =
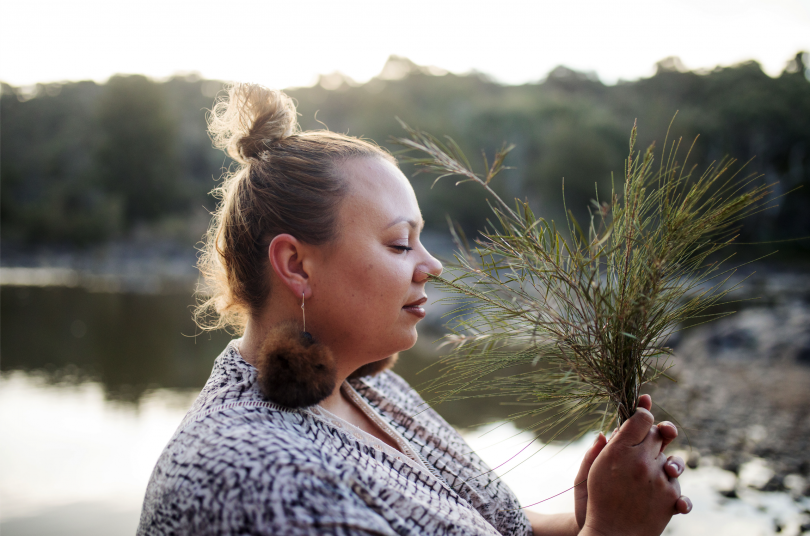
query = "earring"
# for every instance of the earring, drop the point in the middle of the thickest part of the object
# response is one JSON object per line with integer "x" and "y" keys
{"x": 294, "y": 369}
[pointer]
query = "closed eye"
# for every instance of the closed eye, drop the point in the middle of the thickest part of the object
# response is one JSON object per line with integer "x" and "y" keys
{"x": 402, "y": 248}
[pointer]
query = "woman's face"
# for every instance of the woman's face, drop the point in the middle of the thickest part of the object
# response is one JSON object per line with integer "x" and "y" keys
{"x": 368, "y": 288}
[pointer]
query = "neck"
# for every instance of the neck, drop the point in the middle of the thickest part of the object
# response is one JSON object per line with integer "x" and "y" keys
{"x": 336, "y": 402}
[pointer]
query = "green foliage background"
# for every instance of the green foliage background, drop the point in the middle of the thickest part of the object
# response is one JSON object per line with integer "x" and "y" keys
{"x": 84, "y": 163}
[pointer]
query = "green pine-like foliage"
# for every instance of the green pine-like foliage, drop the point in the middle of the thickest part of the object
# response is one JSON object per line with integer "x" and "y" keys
{"x": 570, "y": 325}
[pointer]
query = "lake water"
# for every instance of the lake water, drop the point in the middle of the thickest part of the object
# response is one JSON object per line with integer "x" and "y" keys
{"x": 93, "y": 384}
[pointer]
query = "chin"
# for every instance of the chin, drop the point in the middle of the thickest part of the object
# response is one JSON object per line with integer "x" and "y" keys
{"x": 404, "y": 342}
{"x": 414, "y": 337}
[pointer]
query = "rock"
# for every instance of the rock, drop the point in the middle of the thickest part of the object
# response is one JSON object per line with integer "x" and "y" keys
{"x": 729, "y": 493}
{"x": 693, "y": 460}
{"x": 803, "y": 355}
{"x": 797, "y": 485}
{"x": 731, "y": 464}
{"x": 731, "y": 339}
{"x": 757, "y": 474}
{"x": 776, "y": 483}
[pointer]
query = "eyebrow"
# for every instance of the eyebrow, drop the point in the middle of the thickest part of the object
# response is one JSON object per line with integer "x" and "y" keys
{"x": 413, "y": 223}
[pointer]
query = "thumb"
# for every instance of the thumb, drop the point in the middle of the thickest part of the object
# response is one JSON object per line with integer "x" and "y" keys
{"x": 635, "y": 429}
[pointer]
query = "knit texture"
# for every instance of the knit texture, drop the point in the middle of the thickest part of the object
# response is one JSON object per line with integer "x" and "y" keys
{"x": 240, "y": 465}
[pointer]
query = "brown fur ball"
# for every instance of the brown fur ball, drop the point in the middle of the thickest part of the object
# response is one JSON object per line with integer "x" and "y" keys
{"x": 295, "y": 371}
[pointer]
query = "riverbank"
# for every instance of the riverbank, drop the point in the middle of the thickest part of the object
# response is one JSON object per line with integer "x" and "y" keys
{"x": 743, "y": 393}
{"x": 135, "y": 266}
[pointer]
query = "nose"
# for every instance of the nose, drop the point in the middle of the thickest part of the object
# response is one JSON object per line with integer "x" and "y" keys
{"x": 430, "y": 266}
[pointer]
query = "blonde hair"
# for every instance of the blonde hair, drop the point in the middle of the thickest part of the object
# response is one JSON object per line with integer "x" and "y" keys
{"x": 286, "y": 181}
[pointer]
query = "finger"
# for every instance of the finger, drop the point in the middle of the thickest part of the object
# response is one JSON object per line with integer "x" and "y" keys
{"x": 676, "y": 486}
{"x": 581, "y": 481}
{"x": 683, "y": 505}
{"x": 589, "y": 458}
{"x": 674, "y": 466}
{"x": 652, "y": 444}
{"x": 668, "y": 432}
{"x": 645, "y": 401}
{"x": 637, "y": 428}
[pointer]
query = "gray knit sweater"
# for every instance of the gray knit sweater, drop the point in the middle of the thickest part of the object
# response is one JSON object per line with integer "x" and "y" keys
{"x": 240, "y": 465}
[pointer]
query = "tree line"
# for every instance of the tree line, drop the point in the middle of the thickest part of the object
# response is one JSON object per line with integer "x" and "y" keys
{"x": 84, "y": 163}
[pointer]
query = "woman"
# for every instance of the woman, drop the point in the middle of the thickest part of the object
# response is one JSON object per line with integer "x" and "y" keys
{"x": 314, "y": 253}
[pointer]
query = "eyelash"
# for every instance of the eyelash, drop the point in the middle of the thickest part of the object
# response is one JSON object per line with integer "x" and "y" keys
{"x": 403, "y": 248}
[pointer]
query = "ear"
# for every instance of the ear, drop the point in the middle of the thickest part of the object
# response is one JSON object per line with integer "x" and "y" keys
{"x": 287, "y": 255}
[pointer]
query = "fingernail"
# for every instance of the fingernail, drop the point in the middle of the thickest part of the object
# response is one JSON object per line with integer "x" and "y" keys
{"x": 688, "y": 504}
{"x": 675, "y": 466}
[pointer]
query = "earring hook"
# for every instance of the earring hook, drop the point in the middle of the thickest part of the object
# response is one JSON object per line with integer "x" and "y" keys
{"x": 303, "y": 311}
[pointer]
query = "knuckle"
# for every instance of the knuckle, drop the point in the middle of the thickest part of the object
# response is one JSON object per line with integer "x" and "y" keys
{"x": 639, "y": 471}
{"x": 643, "y": 415}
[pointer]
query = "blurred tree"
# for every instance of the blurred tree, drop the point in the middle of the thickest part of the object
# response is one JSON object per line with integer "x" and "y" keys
{"x": 137, "y": 155}
{"x": 49, "y": 191}
{"x": 82, "y": 162}
{"x": 188, "y": 98}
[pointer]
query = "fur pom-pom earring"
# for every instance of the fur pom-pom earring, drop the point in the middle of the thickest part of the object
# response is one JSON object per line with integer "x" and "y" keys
{"x": 295, "y": 370}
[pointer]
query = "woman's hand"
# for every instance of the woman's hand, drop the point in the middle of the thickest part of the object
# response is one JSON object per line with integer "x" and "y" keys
{"x": 631, "y": 487}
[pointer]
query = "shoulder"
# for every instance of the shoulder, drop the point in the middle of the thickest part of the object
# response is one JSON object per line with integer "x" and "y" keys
{"x": 390, "y": 393}
{"x": 391, "y": 386}
{"x": 239, "y": 465}
{"x": 254, "y": 470}
{"x": 231, "y": 425}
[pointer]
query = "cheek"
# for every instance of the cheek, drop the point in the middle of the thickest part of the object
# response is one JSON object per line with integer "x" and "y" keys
{"x": 391, "y": 277}
{"x": 367, "y": 284}
{"x": 385, "y": 285}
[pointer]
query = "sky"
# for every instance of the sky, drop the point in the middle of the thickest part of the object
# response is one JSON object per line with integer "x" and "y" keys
{"x": 290, "y": 43}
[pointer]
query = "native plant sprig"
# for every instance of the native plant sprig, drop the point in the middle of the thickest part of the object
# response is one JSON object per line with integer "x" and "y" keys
{"x": 571, "y": 328}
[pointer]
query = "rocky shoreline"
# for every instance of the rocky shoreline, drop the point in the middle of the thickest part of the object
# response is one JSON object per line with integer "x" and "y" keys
{"x": 743, "y": 394}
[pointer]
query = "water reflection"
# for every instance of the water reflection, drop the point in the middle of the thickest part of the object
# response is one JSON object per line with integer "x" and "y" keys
{"x": 129, "y": 343}
{"x": 133, "y": 343}
{"x": 92, "y": 386}
{"x": 75, "y": 462}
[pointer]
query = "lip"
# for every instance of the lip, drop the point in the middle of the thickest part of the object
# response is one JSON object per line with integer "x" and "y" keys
{"x": 415, "y": 308}
{"x": 417, "y": 303}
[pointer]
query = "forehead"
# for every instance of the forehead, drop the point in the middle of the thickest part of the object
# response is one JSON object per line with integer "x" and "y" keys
{"x": 378, "y": 193}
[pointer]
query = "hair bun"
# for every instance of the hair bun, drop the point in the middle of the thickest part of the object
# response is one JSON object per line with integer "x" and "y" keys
{"x": 249, "y": 119}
